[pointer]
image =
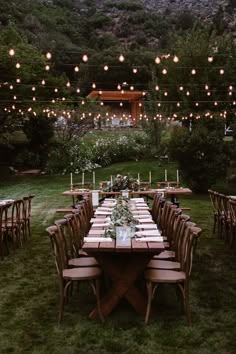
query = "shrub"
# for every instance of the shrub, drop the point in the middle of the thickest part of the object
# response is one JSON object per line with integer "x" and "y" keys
{"x": 76, "y": 156}
{"x": 203, "y": 156}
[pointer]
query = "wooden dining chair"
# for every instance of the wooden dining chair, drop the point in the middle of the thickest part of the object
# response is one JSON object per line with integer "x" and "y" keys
{"x": 27, "y": 201}
{"x": 232, "y": 212}
{"x": 181, "y": 278}
{"x": 67, "y": 275}
{"x": 166, "y": 184}
{"x": 177, "y": 230}
{"x": 67, "y": 229}
{"x": 175, "y": 262}
{"x": 158, "y": 202}
{"x": 15, "y": 222}
{"x": 79, "y": 185}
{"x": 144, "y": 186}
{"x": 4, "y": 209}
{"x": 213, "y": 199}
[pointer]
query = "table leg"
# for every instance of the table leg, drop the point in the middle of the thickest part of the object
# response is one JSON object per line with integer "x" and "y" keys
{"x": 123, "y": 272}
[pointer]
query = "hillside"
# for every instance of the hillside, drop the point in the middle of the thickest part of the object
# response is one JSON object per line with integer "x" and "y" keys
{"x": 100, "y": 24}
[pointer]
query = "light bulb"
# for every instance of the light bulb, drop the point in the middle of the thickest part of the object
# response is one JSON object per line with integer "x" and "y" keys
{"x": 121, "y": 58}
{"x": 85, "y": 58}
{"x": 49, "y": 56}
{"x": 11, "y": 52}
{"x": 157, "y": 60}
{"x": 175, "y": 59}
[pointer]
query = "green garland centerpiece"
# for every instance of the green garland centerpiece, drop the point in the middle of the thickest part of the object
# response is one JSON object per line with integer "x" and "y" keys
{"x": 121, "y": 216}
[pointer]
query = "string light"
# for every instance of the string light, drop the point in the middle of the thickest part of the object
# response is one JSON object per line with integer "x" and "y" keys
{"x": 18, "y": 65}
{"x": 76, "y": 69}
{"x": 157, "y": 88}
{"x": 164, "y": 71}
{"x": 193, "y": 72}
{"x": 48, "y": 55}
{"x": 222, "y": 71}
{"x": 47, "y": 67}
{"x": 106, "y": 68}
{"x": 93, "y": 85}
{"x": 85, "y": 58}
{"x": 121, "y": 58}
{"x": 175, "y": 59}
{"x": 11, "y": 52}
{"x": 135, "y": 70}
{"x": 210, "y": 59}
{"x": 43, "y": 82}
{"x": 157, "y": 60}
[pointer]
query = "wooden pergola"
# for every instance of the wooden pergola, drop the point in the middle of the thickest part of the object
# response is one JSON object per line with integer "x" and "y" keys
{"x": 133, "y": 97}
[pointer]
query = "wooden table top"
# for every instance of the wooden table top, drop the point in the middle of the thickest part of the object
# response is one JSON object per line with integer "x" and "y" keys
{"x": 167, "y": 191}
{"x": 136, "y": 246}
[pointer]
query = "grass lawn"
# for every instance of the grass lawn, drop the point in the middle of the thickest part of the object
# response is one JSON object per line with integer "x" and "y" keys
{"x": 29, "y": 289}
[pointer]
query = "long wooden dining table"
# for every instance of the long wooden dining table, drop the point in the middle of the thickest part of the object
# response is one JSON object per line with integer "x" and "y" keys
{"x": 169, "y": 192}
{"x": 123, "y": 265}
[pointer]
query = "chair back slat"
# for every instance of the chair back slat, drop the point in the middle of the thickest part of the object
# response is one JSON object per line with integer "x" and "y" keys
{"x": 59, "y": 248}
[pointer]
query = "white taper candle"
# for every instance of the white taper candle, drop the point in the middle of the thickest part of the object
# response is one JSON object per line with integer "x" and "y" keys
{"x": 94, "y": 181}
{"x": 177, "y": 176}
{"x": 150, "y": 177}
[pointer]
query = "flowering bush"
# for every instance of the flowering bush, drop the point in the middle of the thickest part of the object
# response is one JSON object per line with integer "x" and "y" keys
{"x": 77, "y": 156}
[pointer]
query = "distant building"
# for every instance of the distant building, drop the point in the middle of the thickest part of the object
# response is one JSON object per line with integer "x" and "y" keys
{"x": 123, "y": 103}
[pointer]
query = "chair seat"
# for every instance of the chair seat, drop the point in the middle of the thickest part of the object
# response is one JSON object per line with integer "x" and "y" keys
{"x": 165, "y": 255}
{"x": 164, "y": 276}
{"x": 82, "y": 253}
{"x": 160, "y": 264}
{"x": 167, "y": 245}
{"x": 82, "y": 273}
{"x": 83, "y": 262}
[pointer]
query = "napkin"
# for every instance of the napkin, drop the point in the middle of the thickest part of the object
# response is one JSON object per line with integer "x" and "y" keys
{"x": 148, "y": 233}
{"x": 99, "y": 220}
{"x": 101, "y": 224}
{"x": 137, "y": 199}
{"x": 149, "y": 239}
{"x": 97, "y": 239}
{"x": 98, "y": 212}
{"x": 105, "y": 208}
{"x": 140, "y": 212}
{"x": 146, "y": 226}
{"x": 145, "y": 220}
{"x": 142, "y": 216}
{"x": 96, "y": 232}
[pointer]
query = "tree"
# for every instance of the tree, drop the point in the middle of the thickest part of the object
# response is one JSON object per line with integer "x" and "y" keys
{"x": 202, "y": 155}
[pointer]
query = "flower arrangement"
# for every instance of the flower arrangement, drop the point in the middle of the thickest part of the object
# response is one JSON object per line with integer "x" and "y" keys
{"x": 120, "y": 183}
